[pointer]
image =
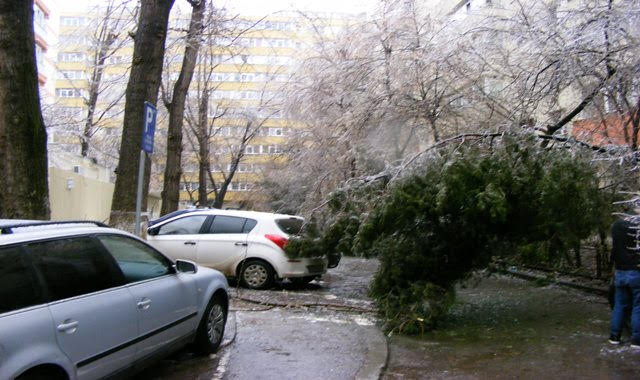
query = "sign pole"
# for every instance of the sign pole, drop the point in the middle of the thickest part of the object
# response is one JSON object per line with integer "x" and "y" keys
{"x": 146, "y": 146}
{"x": 143, "y": 155}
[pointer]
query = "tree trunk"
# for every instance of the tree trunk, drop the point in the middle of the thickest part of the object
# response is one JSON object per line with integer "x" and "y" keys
{"x": 222, "y": 192}
{"x": 106, "y": 39}
{"x": 577, "y": 255}
{"x": 23, "y": 138}
{"x": 204, "y": 162}
{"x": 173, "y": 169}
{"x": 144, "y": 81}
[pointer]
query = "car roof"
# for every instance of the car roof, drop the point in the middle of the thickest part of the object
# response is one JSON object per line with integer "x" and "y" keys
{"x": 10, "y": 222}
{"x": 50, "y": 230}
{"x": 240, "y": 213}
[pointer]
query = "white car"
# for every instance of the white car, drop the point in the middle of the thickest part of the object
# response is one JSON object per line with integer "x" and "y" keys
{"x": 243, "y": 244}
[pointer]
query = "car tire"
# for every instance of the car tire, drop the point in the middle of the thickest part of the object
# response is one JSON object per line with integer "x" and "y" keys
{"x": 211, "y": 329}
{"x": 42, "y": 373}
{"x": 300, "y": 281}
{"x": 256, "y": 274}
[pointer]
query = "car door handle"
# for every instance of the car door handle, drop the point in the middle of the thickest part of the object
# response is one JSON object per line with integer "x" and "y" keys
{"x": 144, "y": 304}
{"x": 240, "y": 243}
{"x": 189, "y": 243}
{"x": 68, "y": 326}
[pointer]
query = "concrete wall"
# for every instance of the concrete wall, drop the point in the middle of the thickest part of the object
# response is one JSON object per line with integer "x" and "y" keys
{"x": 73, "y": 196}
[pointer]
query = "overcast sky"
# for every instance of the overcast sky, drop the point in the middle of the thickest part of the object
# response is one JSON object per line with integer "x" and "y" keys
{"x": 269, "y": 6}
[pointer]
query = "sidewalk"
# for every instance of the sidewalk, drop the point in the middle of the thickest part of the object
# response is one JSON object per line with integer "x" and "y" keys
{"x": 305, "y": 344}
{"x": 325, "y": 330}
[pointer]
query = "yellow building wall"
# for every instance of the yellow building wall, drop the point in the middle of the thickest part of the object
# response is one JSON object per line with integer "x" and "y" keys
{"x": 88, "y": 199}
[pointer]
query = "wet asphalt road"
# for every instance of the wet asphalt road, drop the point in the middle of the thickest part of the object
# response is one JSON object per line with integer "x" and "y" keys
{"x": 506, "y": 328}
{"x": 323, "y": 330}
{"x": 500, "y": 328}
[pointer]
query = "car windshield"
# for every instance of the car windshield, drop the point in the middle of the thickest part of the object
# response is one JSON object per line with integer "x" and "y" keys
{"x": 291, "y": 226}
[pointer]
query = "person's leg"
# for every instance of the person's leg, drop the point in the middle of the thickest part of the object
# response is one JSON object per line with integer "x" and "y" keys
{"x": 621, "y": 306}
{"x": 634, "y": 285}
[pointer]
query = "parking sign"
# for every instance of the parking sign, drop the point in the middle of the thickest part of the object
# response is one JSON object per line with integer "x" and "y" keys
{"x": 150, "y": 113}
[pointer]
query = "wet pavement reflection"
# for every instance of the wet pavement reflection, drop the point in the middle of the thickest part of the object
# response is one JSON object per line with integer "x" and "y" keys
{"x": 507, "y": 328}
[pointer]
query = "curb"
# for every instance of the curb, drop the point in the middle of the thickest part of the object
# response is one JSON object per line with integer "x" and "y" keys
{"x": 375, "y": 360}
{"x": 601, "y": 291}
{"x": 229, "y": 336}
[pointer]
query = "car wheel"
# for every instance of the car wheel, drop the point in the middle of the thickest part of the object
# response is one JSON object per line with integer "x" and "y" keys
{"x": 256, "y": 274}
{"x": 299, "y": 281}
{"x": 211, "y": 329}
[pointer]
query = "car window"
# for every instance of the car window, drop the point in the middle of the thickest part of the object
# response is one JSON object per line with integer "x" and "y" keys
{"x": 136, "y": 260}
{"x": 183, "y": 226}
{"x": 223, "y": 224}
{"x": 75, "y": 266}
{"x": 248, "y": 225}
{"x": 18, "y": 285}
{"x": 291, "y": 226}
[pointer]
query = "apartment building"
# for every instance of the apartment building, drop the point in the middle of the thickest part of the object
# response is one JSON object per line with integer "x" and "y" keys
{"x": 45, "y": 26}
{"x": 246, "y": 69}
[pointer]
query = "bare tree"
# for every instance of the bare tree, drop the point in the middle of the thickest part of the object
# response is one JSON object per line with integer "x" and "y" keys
{"x": 109, "y": 37}
{"x": 219, "y": 131}
{"x": 102, "y": 39}
{"x": 391, "y": 87}
{"x": 23, "y": 139}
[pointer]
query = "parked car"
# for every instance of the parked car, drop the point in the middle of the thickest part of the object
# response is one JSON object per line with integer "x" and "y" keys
{"x": 79, "y": 300}
{"x": 244, "y": 244}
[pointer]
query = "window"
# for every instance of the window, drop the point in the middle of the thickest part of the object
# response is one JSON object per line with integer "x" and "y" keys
{"x": 39, "y": 55}
{"x": 248, "y": 226}
{"x": 136, "y": 260}
{"x": 39, "y": 17}
{"x": 72, "y": 21}
{"x": 71, "y": 57}
{"x": 69, "y": 112}
{"x": 68, "y": 92}
{"x": 119, "y": 59}
{"x": 18, "y": 285}
{"x": 73, "y": 40}
{"x": 72, "y": 267}
{"x": 183, "y": 226}
{"x": 291, "y": 226}
{"x": 71, "y": 74}
{"x": 227, "y": 225}
{"x": 275, "y": 132}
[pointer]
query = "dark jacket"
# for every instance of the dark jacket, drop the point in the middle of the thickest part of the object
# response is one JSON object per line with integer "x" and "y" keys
{"x": 624, "y": 254}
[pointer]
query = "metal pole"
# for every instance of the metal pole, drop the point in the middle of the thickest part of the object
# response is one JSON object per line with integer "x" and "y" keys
{"x": 136, "y": 228}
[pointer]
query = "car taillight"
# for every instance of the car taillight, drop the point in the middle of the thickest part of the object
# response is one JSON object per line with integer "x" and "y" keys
{"x": 278, "y": 240}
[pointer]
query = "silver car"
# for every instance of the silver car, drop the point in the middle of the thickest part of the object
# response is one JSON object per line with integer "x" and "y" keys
{"x": 82, "y": 301}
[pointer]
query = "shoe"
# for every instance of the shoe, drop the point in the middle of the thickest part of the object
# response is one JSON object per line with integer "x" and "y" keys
{"x": 613, "y": 339}
{"x": 635, "y": 343}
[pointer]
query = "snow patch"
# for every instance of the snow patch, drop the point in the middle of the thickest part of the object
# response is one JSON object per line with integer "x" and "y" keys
{"x": 358, "y": 319}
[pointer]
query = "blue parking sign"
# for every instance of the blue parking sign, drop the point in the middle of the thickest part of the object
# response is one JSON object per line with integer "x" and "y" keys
{"x": 150, "y": 113}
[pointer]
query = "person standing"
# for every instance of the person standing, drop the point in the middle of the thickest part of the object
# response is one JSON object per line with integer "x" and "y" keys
{"x": 626, "y": 259}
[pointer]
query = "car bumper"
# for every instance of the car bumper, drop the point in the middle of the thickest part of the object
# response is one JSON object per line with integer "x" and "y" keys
{"x": 303, "y": 267}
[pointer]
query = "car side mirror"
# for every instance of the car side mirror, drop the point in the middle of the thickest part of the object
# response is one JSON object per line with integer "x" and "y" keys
{"x": 153, "y": 231}
{"x": 185, "y": 266}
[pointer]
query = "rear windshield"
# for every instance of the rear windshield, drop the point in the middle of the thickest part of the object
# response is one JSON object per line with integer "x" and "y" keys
{"x": 291, "y": 226}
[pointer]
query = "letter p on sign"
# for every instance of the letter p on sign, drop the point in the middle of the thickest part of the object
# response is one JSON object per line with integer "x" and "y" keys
{"x": 149, "y": 130}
